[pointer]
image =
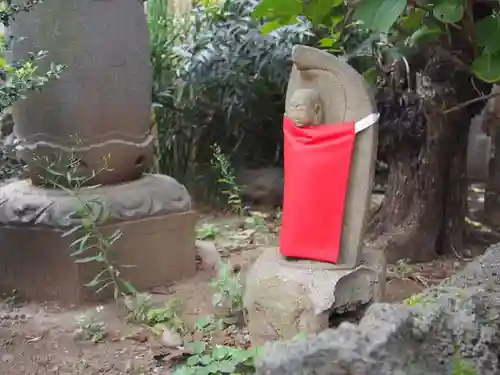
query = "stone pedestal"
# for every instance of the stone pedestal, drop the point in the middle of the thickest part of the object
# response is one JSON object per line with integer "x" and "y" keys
{"x": 97, "y": 115}
{"x": 153, "y": 212}
{"x": 285, "y": 298}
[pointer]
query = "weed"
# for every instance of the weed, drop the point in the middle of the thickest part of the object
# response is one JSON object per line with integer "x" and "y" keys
{"x": 403, "y": 269}
{"x": 142, "y": 310}
{"x": 461, "y": 366}
{"x": 10, "y": 299}
{"x": 227, "y": 179}
{"x": 415, "y": 300}
{"x": 228, "y": 292}
{"x": 92, "y": 245}
{"x": 218, "y": 360}
{"x": 208, "y": 324}
{"x": 207, "y": 231}
{"x": 90, "y": 328}
{"x": 257, "y": 221}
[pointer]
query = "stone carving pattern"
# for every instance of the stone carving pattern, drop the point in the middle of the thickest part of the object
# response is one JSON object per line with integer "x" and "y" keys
{"x": 21, "y": 203}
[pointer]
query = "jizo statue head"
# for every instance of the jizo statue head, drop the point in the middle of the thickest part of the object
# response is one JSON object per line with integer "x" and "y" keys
{"x": 305, "y": 107}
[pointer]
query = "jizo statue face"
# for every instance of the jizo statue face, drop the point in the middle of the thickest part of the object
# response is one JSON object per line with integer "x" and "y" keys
{"x": 305, "y": 108}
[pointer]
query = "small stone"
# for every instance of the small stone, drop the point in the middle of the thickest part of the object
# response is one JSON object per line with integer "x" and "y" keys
{"x": 210, "y": 257}
{"x": 140, "y": 336}
{"x": 171, "y": 339}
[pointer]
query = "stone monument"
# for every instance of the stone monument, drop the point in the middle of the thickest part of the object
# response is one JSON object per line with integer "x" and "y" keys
{"x": 98, "y": 110}
{"x": 284, "y": 296}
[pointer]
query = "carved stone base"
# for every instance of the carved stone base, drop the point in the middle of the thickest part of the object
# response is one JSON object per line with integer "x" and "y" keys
{"x": 285, "y": 298}
{"x": 158, "y": 238}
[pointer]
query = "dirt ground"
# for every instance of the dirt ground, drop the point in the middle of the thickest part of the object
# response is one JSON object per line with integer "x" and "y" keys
{"x": 40, "y": 339}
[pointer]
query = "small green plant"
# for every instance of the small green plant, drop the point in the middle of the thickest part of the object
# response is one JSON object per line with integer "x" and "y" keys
{"x": 227, "y": 179}
{"x": 403, "y": 268}
{"x": 228, "y": 293}
{"x": 461, "y": 366}
{"x": 92, "y": 245}
{"x": 11, "y": 298}
{"x": 414, "y": 300}
{"x": 142, "y": 310}
{"x": 90, "y": 328}
{"x": 218, "y": 360}
{"x": 207, "y": 231}
{"x": 208, "y": 324}
{"x": 256, "y": 220}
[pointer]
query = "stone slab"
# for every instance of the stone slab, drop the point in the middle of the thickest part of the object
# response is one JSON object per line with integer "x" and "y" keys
{"x": 285, "y": 298}
{"x": 36, "y": 260}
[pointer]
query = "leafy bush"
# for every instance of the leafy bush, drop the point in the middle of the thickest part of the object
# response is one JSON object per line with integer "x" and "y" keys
{"x": 218, "y": 79}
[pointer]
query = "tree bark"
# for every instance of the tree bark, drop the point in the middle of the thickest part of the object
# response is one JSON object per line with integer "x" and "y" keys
{"x": 423, "y": 214}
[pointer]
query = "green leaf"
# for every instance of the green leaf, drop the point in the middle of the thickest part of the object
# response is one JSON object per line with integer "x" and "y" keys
{"x": 425, "y": 34}
{"x": 226, "y": 367}
{"x": 3, "y": 62}
{"x": 413, "y": 20}
{"x": 220, "y": 352}
{"x": 326, "y": 42}
{"x": 104, "y": 287}
{"x": 196, "y": 347}
{"x": 241, "y": 355}
{"x": 185, "y": 370}
{"x": 95, "y": 258}
{"x": 283, "y": 9}
{"x": 203, "y": 322}
{"x": 379, "y": 15}
{"x": 317, "y": 10}
{"x": 71, "y": 231}
{"x": 212, "y": 368}
{"x": 205, "y": 359}
{"x": 97, "y": 279}
{"x": 82, "y": 244}
{"x": 270, "y": 26}
{"x": 129, "y": 287}
{"x": 449, "y": 11}
{"x": 488, "y": 33}
{"x": 193, "y": 360}
{"x": 336, "y": 20}
{"x": 487, "y": 67}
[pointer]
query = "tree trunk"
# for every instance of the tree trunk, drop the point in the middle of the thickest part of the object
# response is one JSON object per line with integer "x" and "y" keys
{"x": 423, "y": 213}
{"x": 492, "y": 195}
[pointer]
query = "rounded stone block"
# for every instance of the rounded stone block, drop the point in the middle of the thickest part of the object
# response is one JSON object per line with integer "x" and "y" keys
{"x": 101, "y": 105}
{"x": 286, "y": 298}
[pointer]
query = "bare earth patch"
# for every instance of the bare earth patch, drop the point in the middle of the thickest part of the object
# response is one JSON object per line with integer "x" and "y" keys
{"x": 40, "y": 339}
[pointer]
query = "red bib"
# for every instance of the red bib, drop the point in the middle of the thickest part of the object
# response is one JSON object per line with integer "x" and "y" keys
{"x": 317, "y": 161}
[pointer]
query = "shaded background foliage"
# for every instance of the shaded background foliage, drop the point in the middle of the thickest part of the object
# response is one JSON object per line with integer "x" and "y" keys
{"x": 219, "y": 80}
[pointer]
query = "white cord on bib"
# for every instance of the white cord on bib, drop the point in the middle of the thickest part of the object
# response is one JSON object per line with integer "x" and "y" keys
{"x": 366, "y": 122}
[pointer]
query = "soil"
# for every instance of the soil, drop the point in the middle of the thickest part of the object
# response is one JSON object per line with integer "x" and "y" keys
{"x": 40, "y": 339}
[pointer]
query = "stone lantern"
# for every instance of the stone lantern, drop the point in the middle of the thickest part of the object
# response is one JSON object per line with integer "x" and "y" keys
{"x": 99, "y": 110}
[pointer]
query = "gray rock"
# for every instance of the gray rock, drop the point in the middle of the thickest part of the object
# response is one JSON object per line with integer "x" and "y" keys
{"x": 262, "y": 185}
{"x": 171, "y": 338}
{"x": 209, "y": 256}
{"x": 454, "y": 322}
